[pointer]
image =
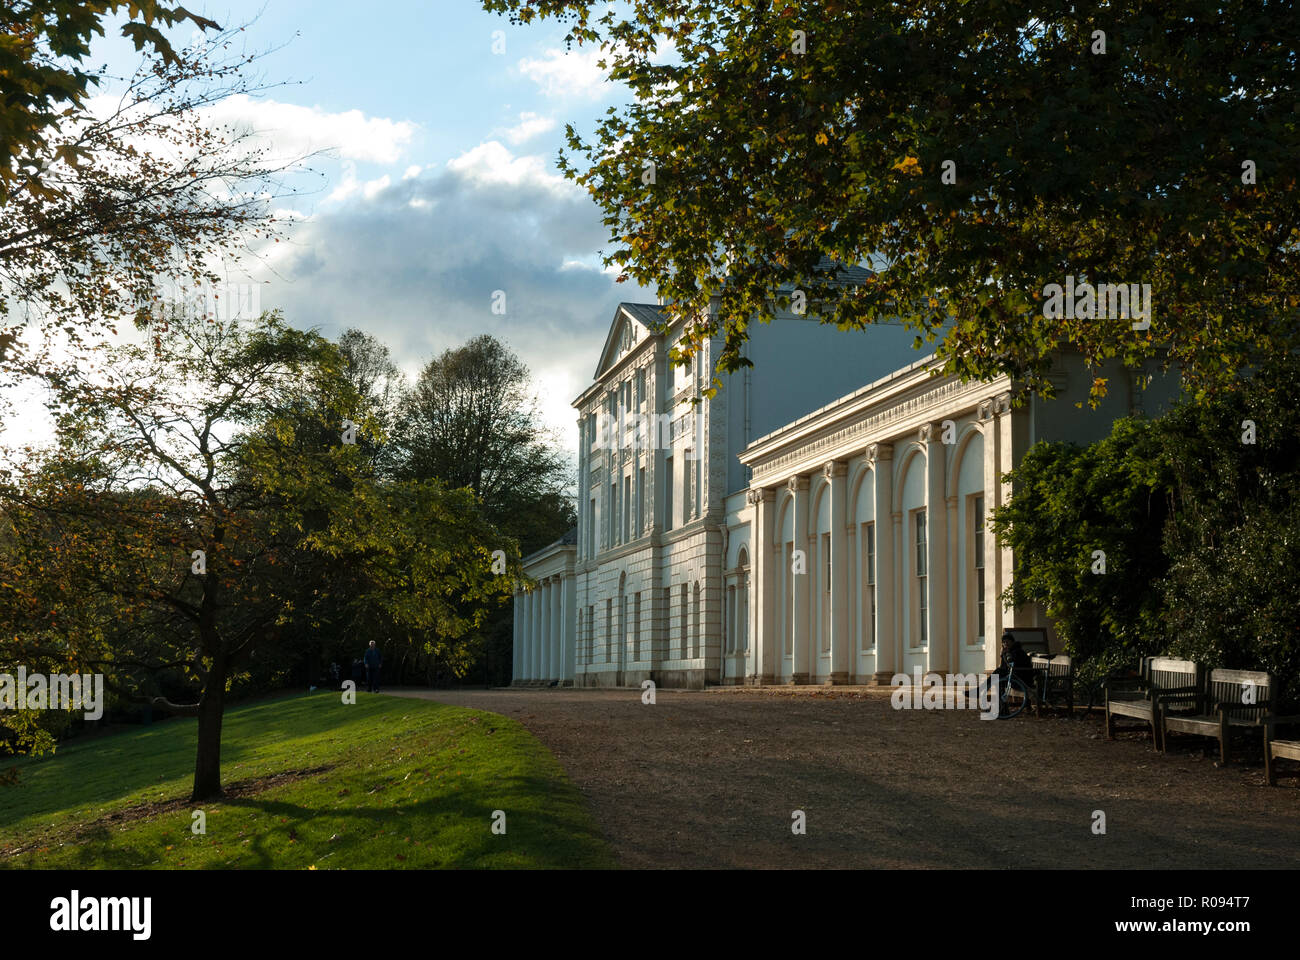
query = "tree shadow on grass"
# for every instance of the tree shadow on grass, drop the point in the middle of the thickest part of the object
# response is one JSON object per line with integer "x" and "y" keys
{"x": 109, "y": 768}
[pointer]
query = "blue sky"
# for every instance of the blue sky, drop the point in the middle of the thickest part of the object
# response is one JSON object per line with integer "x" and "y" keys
{"x": 441, "y": 185}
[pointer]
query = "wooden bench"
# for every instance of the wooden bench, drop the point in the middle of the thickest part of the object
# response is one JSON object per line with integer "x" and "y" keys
{"x": 1230, "y": 698}
{"x": 1139, "y": 699}
{"x": 1055, "y": 677}
{"x": 1278, "y": 749}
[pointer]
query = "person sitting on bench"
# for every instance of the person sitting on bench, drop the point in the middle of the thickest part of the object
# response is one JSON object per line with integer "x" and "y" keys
{"x": 1014, "y": 658}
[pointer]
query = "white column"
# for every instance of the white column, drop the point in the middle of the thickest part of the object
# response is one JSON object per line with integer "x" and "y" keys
{"x": 570, "y": 643}
{"x": 837, "y": 474}
{"x": 516, "y": 631}
{"x": 544, "y": 672}
{"x": 993, "y": 584}
{"x": 535, "y": 636}
{"x": 881, "y": 456}
{"x": 557, "y": 624}
{"x": 953, "y": 570}
{"x": 1005, "y": 566}
{"x": 936, "y": 561}
{"x": 800, "y": 628}
{"x": 764, "y": 631}
{"x": 526, "y": 636}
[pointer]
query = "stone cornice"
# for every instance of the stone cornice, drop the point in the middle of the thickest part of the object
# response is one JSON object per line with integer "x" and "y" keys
{"x": 895, "y": 408}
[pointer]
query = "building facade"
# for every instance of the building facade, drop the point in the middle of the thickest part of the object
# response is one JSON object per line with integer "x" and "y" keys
{"x": 799, "y": 526}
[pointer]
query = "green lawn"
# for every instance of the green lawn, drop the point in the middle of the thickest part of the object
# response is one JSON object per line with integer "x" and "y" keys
{"x": 392, "y": 783}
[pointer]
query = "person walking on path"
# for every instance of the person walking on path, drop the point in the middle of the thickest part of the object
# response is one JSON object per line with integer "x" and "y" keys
{"x": 374, "y": 659}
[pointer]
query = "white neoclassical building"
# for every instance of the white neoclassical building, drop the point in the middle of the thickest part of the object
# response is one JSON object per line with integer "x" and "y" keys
{"x": 822, "y": 519}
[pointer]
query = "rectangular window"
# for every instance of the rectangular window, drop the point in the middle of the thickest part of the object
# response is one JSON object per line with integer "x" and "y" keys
{"x": 787, "y": 601}
{"x": 922, "y": 591}
{"x": 665, "y": 649}
{"x": 869, "y": 585}
{"x": 640, "y": 386}
{"x": 591, "y": 528}
{"x": 609, "y": 629}
{"x": 730, "y": 612}
{"x": 826, "y": 593}
{"x": 695, "y": 624}
{"x": 640, "y": 501}
{"x": 627, "y": 508}
{"x": 699, "y": 477}
{"x": 611, "y": 527}
{"x": 977, "y": 540}
{"x": 636, "y": 627}
{"x": 688, "y": 476}
{"x": 685, "y": 633}
{"x": 668, "y": 494}
{"x": 870, "y": 640}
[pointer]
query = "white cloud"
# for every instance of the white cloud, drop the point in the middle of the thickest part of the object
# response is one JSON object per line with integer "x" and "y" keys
{"x": 418, "y": 261}
{"x": 530, "y": 125}
{"x": 492, "y": 164}
{"x": 294, "y": 130}
{"x": 572, "y": 73}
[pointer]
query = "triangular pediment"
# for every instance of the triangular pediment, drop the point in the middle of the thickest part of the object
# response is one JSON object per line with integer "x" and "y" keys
{"x": 632, "y": 324}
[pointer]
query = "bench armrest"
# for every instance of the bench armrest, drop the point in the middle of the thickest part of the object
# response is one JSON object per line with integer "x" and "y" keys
{"x": 1259, "y": 711}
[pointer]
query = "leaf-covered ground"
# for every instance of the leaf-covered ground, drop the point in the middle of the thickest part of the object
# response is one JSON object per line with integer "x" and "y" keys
{"x": 311, "y": 784}
{"x": 706, "y": 780}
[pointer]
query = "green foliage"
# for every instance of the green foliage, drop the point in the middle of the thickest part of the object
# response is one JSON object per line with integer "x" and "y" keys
{"x": 1201, "y": 531}
{"x": 227, "y": 438}
{"x": 471, "y": 421}
{"x": 1070, "y": 501}
{"x": 1121, "y": 167}
{"x": 1233, "y": 541}
{"x": 113, "y": 209}
{"x": 43, "y": 46}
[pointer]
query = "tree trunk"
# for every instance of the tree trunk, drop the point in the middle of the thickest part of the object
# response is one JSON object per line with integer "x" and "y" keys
{"x": 207, "y": 764}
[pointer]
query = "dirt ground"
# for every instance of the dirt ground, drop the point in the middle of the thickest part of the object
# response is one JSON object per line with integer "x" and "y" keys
{"x": 710, "y": 780}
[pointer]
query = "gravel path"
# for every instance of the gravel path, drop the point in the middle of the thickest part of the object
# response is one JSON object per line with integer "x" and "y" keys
{"x": 710, "y": 779}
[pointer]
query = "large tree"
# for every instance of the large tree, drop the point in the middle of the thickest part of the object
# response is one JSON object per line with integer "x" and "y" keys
{"x": 198, "y": 489}
{"x": 1122, "y": 142}
{"x": 117, "y": 192}
{"x": 43, "y": 61}
{"x": 472, "y": 420}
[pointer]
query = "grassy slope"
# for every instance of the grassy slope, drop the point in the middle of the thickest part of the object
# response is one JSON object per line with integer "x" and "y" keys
{"x": 410, "y": 783}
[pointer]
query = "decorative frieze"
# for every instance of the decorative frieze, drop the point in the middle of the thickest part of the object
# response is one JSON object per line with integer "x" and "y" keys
{"x": 877, "y": 422}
